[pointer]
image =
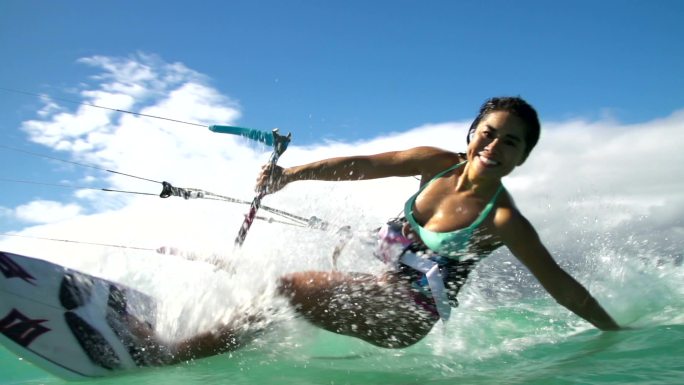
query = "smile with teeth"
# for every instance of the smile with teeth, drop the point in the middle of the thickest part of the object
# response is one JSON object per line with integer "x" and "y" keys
{"x": 487, "y": 161}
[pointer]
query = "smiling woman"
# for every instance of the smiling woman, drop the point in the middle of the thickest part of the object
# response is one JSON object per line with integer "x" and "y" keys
{"x": 603, "y": 188}
{"x": 522, "y": 110}
{"x": 460, "y": 214}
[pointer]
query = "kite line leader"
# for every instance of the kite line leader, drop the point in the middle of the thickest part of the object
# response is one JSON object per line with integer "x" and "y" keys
{"x": 279, "y": 143}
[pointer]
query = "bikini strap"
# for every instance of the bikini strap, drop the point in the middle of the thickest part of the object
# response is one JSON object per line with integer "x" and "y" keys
{"x": 487, "y": 208}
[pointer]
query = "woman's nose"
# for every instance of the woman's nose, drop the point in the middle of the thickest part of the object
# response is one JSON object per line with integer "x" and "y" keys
{"x": 493, "y": 144}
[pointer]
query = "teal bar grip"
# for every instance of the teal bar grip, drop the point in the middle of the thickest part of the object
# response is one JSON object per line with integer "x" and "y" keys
{"x": 259, "y": 136}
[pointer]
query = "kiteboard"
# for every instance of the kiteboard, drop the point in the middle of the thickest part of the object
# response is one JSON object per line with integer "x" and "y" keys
{"x": 71, "y": 324}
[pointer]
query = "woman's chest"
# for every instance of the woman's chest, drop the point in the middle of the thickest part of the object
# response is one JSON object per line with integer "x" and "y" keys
{"x": 439, "y": 208}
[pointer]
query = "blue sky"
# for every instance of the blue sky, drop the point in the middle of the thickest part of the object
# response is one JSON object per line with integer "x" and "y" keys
{"x": 355, "y": 68}
{"x": 348, "y": 72}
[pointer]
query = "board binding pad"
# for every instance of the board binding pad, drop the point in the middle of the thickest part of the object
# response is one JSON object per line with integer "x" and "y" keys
{"x": 71, "y": 324}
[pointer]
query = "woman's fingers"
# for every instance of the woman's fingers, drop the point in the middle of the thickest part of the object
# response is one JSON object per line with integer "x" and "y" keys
{"x": 269, "y": 179}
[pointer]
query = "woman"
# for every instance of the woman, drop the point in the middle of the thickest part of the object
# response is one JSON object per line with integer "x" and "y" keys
{"x": 460, "y": 214}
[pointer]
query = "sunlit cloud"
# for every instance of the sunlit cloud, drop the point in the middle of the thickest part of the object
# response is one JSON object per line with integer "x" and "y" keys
{"x": 45, "y": 211}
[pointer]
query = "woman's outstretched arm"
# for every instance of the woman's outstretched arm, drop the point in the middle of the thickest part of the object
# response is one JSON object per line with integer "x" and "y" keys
{"x": 416, "y": 161}
{"x": 523, "y": 241}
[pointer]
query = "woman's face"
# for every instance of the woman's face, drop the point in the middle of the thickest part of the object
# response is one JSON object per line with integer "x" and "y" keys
{"x": 498, "y": 144}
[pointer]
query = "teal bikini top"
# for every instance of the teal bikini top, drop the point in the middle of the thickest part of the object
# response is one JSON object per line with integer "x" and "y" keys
{"x": 450, "y": 243}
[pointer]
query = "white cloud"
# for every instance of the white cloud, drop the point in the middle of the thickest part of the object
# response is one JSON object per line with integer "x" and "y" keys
{"x": 606, "y": 177}
{"x": 49, "y": 107}
{"x": 44, "y": 211}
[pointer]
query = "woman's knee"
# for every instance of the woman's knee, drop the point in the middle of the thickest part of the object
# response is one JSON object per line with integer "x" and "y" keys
{"x": 285, "y": 285}
{"x": 309, "y": 283}
{"x": 296, "y": 283}
{"x": 304, "y": 288}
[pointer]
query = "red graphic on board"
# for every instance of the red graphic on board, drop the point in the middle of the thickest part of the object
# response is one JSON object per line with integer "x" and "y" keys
{"x": 11, "y": 269}
{"x": 21, "y": 329}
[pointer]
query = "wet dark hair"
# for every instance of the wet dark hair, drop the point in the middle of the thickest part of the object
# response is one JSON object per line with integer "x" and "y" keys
{"x": 516, "y": 106}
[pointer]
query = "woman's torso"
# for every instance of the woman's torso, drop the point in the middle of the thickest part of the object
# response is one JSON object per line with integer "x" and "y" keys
{"x": 453, "y": 223}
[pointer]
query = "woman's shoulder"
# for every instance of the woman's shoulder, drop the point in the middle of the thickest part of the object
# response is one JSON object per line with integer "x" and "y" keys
{"x": 439, "y": 152}
{"x": 508, "y": 217}
{"x": 434, "y": 159}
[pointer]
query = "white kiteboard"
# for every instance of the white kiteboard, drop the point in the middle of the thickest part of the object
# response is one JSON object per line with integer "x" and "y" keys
{"x": 71, "y": 324}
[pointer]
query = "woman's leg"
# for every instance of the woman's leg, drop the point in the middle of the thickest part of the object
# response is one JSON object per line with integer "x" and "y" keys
{"x": 378, "y": 310}
{"x": 221, "y": 339}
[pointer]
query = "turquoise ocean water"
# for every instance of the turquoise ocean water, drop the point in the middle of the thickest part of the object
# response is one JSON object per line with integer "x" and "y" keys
{"x": 647, "y": 355}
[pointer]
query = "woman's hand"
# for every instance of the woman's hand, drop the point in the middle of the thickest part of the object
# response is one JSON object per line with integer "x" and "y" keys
{"x": 270, "y": 179}
{"x": 409, "y": 234}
